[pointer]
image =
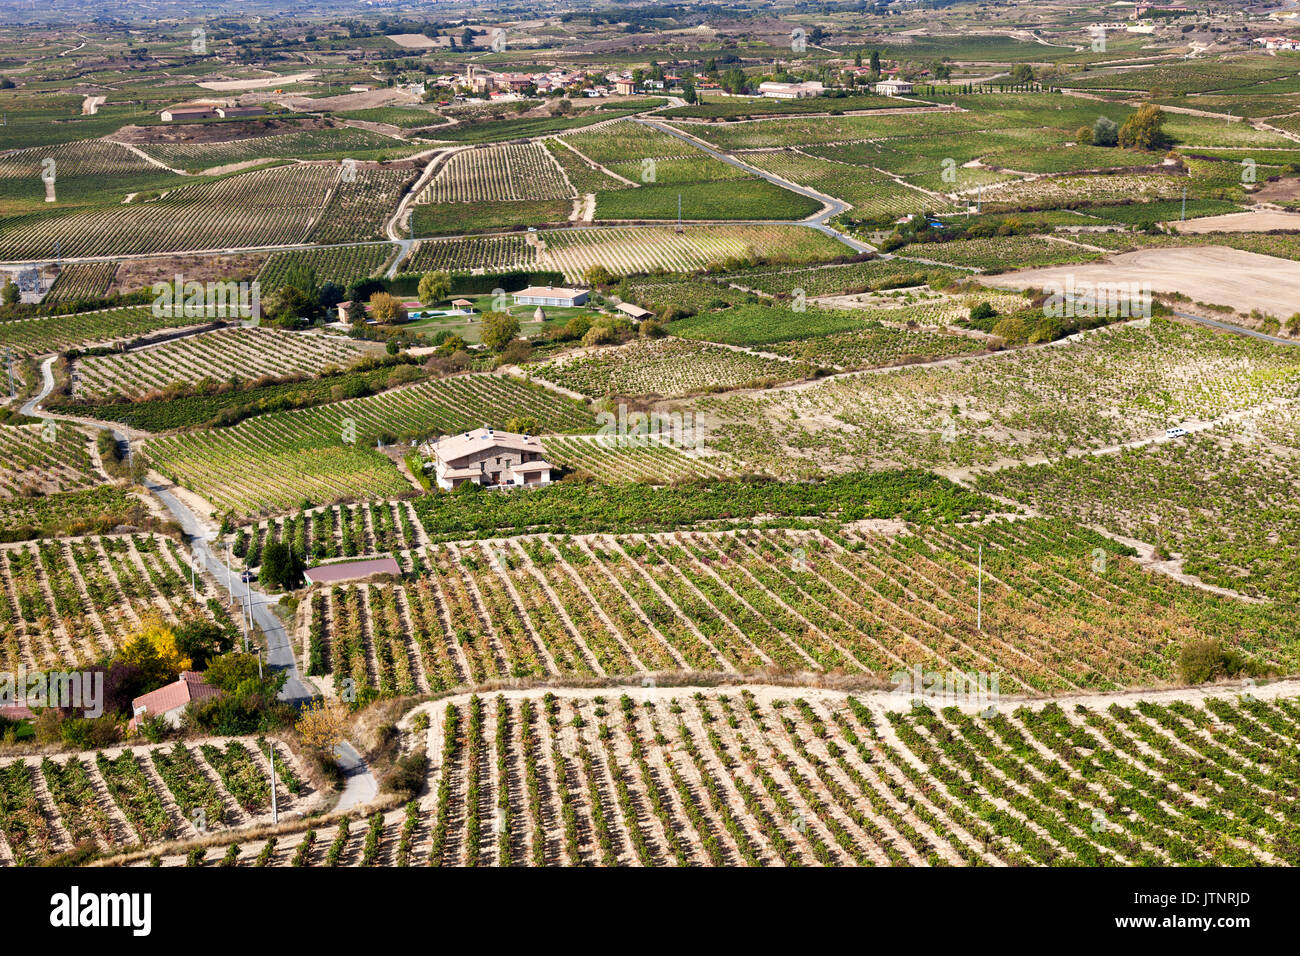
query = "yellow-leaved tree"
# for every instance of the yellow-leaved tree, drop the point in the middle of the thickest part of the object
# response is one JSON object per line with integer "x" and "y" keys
{"x": 153, "y": 650}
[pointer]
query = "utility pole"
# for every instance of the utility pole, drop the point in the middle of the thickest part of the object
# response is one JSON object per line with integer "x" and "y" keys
{"x": 230, "y": 586}
{"x": 275, "y": 808}
{"x": 9, "y": 365}
{"x": 979, "y": 592}
{"x": 1184, "y": 216}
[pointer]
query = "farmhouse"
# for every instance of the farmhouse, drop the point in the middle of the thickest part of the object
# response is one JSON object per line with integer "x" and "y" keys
{"x": 491, "y": 459}
{"x": 791, "y": 91}
{"x": 232, "y": 112}
{"x": 548, "y": 295}
{"x": 624, "y": 87}
{"x": 182, "y": 114}
{"x": 170, "y": 701}
{"x": 893, "y": 87}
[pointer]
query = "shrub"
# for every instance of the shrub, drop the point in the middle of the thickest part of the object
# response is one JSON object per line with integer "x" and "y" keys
{"x": 1204, "y": 660}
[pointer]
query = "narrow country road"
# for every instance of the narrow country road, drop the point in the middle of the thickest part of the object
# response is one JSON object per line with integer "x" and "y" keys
{"x": 359, "y": 784}
{"x": 279, "y": 650}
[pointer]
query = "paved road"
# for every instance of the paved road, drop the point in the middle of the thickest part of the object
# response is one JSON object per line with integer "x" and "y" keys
{"x": 280, "y": 654}
{"x": 832, "y": 207}
{"x": 1240, "y": 330}
{"x": 359, "y": 784}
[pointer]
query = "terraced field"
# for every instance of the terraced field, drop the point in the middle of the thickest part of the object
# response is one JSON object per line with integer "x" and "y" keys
{"x": 132, "y": 798}
{"x": 761, "y": 776}
{"x": 276, "y": 462}
{"x": 242, "y": 353}
{"x": 70, "y": 602}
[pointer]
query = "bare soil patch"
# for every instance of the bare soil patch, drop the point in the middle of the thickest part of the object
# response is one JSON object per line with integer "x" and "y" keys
{"x": 215, "y": 132}
{"x": 1262, "y": 220}
{"x": 1245, "y": 280}
{"x": 135, "y": 274}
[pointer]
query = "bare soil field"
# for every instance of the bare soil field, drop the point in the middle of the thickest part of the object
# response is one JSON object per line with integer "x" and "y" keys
{"x": 135, "y": 274}
{"x": 1244, "y": 280}
{"x": 258, "y": 84}
{"x": 214, "y": 132}
{"x": 1263, "y": 220}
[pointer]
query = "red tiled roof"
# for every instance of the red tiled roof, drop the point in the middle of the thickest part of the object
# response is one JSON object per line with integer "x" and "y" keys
{"x": 351, "y": 570}
{"x": 190, "y": 686}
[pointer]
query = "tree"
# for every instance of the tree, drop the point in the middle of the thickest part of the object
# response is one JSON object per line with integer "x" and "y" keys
{"x": 1144, "y": 129}
{"x": 1083, "y": 135}
{"x": 1022, "y": 73}
{"x": 153, "y": 652}
{"x": 1105, "y": 132}
{"x": 387, "y": 309}
{"x": 597, "y": 274}
{"x": 287, "y": 304}
{"x": 874, "y": 63}
{"x": 499, "y": 328}
{"x": 281, "y": 567}
{"x": 523, "y": 425}
{"x": 434, "y": 287}
{"x": 322, "y": 726}
{"x": 11, "y": 293}
{"x": 201, "y": 640}
{"x": 356, "y": 312}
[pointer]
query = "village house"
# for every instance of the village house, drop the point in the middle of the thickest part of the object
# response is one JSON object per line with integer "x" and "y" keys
{"x": 170, "y": 701}
{"x": 624, "y": 87}
{"x": 547, "y": 295}
{"x": 491, "y": 459}
{"x": 893, "y": 87}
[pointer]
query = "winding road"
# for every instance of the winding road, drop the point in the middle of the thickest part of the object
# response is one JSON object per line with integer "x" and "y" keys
{"x": 198, "y": 533}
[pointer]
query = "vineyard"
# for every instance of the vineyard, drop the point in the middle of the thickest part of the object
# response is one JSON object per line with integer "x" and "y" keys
{"x": 497, "y": 173}
{"x": 40, "y": 336}
{"x": 79, "y": 281}
{"x": 1223, "y": 499}
{"x": 630, "y": 250}
{"x": 1063, "y": 609}
{"x": 39, "y": 459}
{"x": 759, "y": 776}
{"x": 667, "y": 367}
{"x": 303, "y": 144}
{"x": 278, "y": 206}
{"x": 339, "y": 531}
{"x": 70, "y": 601}
{"x": 341, "y": 265}
{"x": 240, "y": 354}
{"x": 651, "y": 461}
{"x": 869, "y": 191}
{"x": 489, "y": 253}
{"x": 136, "y": 797}
{"x": 278, "y": 461}
{"x": 1010, "y": 407}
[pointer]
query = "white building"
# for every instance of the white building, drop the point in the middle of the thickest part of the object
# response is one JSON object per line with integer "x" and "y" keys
{"x": 791, "y": 91}
{"x": 547, "y": 295}
{"x": 893, "y": 87}
{"x": 491, "y": 459}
